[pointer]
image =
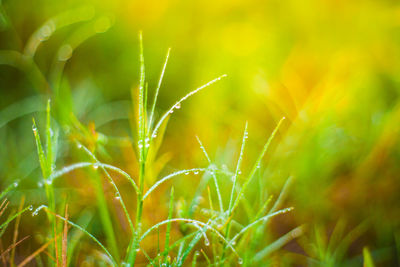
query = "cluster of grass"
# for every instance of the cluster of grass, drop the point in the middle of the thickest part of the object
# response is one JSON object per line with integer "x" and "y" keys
{"x": 140, "y": 213}
{"x": 227, "y": 238}
{"x": 220, "y": 224}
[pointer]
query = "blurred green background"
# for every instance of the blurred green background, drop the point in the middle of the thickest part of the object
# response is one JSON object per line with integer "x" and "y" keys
{"x": 330, "y": 67}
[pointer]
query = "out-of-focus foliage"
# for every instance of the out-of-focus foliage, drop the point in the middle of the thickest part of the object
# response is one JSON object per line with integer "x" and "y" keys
{"x": 332, "y": 68}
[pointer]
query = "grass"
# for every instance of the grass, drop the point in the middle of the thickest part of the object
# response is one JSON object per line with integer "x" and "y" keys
{"x": 218, "y": 226}
{"x": 214, "y": 215}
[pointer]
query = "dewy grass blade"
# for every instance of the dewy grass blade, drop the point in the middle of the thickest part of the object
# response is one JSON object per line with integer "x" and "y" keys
{"x": 49, "y": 134}
{"x": 177, "y": 104}
{"x": 8, "y": 189}
{"x": 118, "y": 195}
{"x": 221, "y": 204}
{"x": 172, "y": 175}
{"x": 257, "y": 164}
{"x": 190, "y": 221}
{"x": 40, "y": 152}
{"x": 80, "y": 165}
{"x": 157, "y": 91}
{"x": 238, "y": 165}
{"x": 10, "y": 219}
{"x": 191, "y": 245}
{"x": 266, "y": 217}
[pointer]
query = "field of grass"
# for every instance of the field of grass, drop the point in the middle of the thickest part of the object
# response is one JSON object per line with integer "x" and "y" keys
{"x": 210, "y": 133}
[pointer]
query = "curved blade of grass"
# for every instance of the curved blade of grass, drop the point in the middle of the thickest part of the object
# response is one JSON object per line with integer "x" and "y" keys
{"x": 50, "y": 26}
{"x": 282, "y": 211}
{"x": 20, "y": 108}
{"x": 11, "y": 218}
{"x": 66, "y": 50}
{"x": 177, "y": 104}
{"x": 80, "y": 165}
{"x": 8, "y": 189}
{"x": 26, "y": 65}
{"x": 113, "y": 185}
{"x": 172, "y": 175}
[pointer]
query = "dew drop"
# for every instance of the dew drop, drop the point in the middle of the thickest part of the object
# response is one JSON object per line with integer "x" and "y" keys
{"x": 178, "y": 105}
{"x": 239, "y": 172}
{"x": 49, "y": 181}
{"x": 147, "y": 145}
{"x": 171, "y": 111}
{"x": 206, "y": 242}
{"x": 196, "y": 172}
{"x": 140, "y": 146}
{"x": 186, "y": 173}
{"x": 30, "y": 208}
{"x": 154, "y": 135}
{"x": 197, "y": 253}
{"x": 79, "y": 146}
{"x": 15, "y": 184}
{"x": 138, "y": 250}
{"x": 40, "y": 184}
{"x": 240, "y": 261}
{"x": 95, "y": 166}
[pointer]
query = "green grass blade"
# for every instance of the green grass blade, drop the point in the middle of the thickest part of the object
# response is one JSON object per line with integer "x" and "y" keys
{"x": 221, "y": 204}
{"x": 8, "y": 189}
{"x": 257, "y": 164}
{"x": 95, "y": 165}
{"x": 153, "y": 107}
{"x": 191, "y": 245}
{"x": 111, "y": 181}
{"x": 238, "y": 165}
{"x": 170, "y": 176}
{"x": 263, "y": 219}
{"x": 178, "y": 103}
{"x": 40, "y": 152}
{"x": 11, "y": 218}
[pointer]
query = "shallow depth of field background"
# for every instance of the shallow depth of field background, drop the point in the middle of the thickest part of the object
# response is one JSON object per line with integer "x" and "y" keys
{"x": 332, "y": 68}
